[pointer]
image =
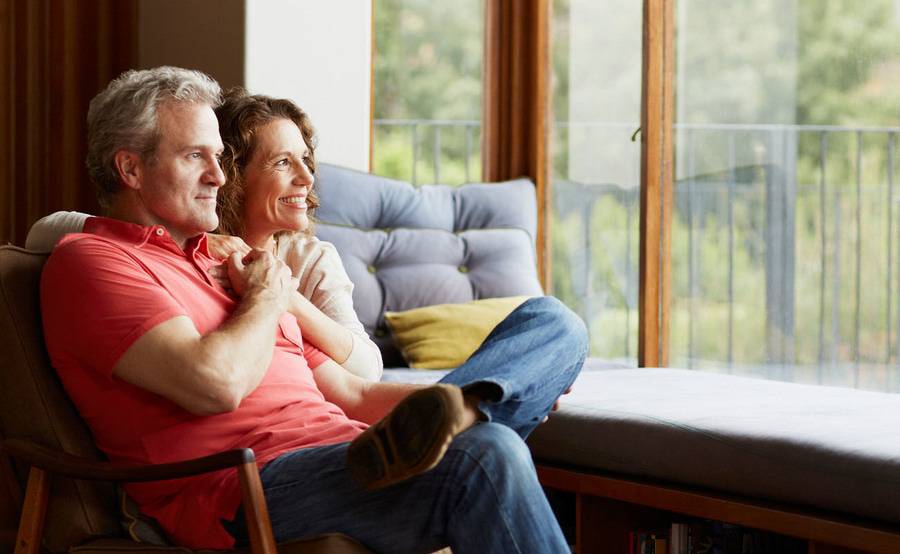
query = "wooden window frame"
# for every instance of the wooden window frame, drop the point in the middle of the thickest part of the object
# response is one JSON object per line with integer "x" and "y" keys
{"x": 515, "y": 134}
{"x": 657, "y": 171}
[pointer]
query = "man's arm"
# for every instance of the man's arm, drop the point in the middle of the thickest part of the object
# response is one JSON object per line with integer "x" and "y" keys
{"x": 211, "y": 374}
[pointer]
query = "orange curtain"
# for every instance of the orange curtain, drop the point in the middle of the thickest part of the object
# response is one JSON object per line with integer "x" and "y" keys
{"x": 55, "y": 56}
{"x": 515, "y": 101}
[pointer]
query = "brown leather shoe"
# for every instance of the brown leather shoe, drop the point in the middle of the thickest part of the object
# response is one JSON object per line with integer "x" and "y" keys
{"x": 410, "y": 440}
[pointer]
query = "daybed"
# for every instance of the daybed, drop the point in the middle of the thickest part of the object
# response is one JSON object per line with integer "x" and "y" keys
{"x": 635, "y": 446}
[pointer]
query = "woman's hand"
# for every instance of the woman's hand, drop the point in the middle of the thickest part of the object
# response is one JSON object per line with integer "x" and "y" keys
{"x": 556, "y": 404}
{"x": 220, "y": 274}
{"x": 222, "y": 246}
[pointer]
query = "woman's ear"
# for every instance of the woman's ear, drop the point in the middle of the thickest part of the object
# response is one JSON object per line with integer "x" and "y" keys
{"x": 129, "y": 167}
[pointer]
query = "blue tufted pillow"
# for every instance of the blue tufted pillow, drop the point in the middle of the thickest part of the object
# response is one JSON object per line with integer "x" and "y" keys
{"x": 405, "y": 248}
{"x": 351, "y": 197}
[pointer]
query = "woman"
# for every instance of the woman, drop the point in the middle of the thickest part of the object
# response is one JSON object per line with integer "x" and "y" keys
{"x": 267, "y": 200}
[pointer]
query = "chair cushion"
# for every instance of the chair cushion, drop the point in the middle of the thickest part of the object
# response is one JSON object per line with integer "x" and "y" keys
{"x": 34, "y": 405}
{"x": 821, "y": 447}
{"x": 405, "y": 248}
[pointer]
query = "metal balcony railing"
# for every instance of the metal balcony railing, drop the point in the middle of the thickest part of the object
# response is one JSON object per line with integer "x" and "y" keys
{"x": 746, "y": 182}
{"x": 421, "y": 130}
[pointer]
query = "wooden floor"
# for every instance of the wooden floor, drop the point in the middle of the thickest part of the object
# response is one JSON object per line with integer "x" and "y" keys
{"x": 608, "y": 507}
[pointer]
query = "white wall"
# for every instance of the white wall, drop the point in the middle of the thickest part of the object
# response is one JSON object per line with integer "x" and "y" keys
{"x": 319, "y": 55}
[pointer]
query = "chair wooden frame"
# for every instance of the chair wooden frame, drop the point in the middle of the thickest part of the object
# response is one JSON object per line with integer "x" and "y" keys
{"x": 45, "y": 462}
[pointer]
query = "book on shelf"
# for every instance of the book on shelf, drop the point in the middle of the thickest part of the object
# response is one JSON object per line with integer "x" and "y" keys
{"x": 643, "y": 542}
{"x": 711, "y": 537}
{"x": 678, "y": 538}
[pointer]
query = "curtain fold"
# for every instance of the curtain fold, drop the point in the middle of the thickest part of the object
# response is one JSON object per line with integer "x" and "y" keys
{"x": 54, "y": 57}
{"x": 515, "y": 102}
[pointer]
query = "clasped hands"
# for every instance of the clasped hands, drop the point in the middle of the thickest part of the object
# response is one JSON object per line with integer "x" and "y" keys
{"x": 248, "y": 271}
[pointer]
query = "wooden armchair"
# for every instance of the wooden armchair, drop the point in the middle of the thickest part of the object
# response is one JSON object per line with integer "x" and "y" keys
{"x": 41, "y": 430}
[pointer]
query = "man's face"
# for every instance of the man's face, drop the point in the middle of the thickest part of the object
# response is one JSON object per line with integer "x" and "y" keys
{"x": 180, "y": 182}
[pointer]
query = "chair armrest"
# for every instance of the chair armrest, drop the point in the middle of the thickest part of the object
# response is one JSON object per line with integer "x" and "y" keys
{"x": 45, "y": 461}
{"x": 61, "y": 463}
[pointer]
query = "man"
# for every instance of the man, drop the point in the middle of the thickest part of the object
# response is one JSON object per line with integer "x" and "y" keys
{"x": 164, "y": 365}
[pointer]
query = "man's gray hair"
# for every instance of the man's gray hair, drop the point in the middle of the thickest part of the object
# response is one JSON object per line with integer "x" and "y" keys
{"x": 125, "y": 116}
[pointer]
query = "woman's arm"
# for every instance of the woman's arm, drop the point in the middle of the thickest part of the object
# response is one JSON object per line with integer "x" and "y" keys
{"x": 323, "y": 304}
{"x": 324, "y": 307}
{"x": 360, "y": 399}
{"x": 47, "y": 231}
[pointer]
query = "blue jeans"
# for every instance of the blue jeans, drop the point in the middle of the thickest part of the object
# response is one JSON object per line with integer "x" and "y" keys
{"x": 484, "y": 495}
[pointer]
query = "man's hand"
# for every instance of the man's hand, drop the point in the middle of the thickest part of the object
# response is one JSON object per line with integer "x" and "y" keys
{"x": 261, "y": 273}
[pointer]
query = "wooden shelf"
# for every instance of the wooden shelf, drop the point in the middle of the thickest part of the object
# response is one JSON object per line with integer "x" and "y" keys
{"x": 609, "y": 506}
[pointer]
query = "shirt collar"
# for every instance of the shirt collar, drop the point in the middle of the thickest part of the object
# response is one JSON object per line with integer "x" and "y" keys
{"x": 141, "y": 235}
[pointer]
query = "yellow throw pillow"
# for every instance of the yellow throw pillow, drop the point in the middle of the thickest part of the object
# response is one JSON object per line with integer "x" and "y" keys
{"x": 443, "y": 336}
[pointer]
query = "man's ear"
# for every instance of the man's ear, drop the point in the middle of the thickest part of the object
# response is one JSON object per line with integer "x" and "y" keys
{"x": 130, "y": 168}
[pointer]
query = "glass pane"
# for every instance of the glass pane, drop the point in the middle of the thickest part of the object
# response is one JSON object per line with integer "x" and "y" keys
{"x": 596, "y": 86}
{"x": 428, "y": 58}
{"x": 784, "y": 251}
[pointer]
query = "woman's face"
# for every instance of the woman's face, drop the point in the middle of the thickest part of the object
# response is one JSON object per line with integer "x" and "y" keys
{"x": 276, "y": 182}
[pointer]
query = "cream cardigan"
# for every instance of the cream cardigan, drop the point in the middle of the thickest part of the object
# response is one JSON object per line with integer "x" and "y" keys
{"x": 316, "y": 263}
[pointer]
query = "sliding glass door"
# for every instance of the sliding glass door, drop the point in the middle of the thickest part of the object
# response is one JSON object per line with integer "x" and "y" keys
{"x": 784, "y": 231}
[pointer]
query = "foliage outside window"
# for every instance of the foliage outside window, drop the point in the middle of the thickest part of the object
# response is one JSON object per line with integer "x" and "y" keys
{"x": 428, "y": 62}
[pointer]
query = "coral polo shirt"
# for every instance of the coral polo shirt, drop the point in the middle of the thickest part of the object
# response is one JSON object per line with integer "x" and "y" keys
{"x": 104, "y": 288}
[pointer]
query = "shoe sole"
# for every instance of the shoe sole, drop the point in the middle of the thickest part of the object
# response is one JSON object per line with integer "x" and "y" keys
{"x": 410, "y": 440}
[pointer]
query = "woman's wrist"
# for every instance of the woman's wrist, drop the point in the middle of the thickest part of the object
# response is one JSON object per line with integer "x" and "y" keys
{"x": 298, "y": 307}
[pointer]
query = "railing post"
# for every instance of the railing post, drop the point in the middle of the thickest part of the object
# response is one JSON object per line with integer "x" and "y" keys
{"x": 889, "y": 206}
{"x": 692, "y": 246}
{"x": 732, "y": 180}
{"x": 436, "y": 162}
{"x": 588, "y": 286}
{"x": 856, "y": 311}
{"x": 468, "y": 129}
{"x": 415, "y": 150}
{"x": 627, "y": 202}
{"x": 779, "y": 245}
{"x": 836, "y": 281}
{"x": 823, "y": 199}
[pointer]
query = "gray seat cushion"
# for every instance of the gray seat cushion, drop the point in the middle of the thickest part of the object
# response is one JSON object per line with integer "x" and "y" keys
{"x": 823, "y": 447}
{"x": 406, "y": 247}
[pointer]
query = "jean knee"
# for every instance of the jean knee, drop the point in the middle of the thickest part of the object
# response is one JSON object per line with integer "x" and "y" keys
{"x": 557, "y": 315}
{"x": 498, "y": 449}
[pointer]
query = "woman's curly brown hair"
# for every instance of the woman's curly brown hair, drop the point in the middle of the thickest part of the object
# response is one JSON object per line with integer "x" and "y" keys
{"x": 240, "y": 116}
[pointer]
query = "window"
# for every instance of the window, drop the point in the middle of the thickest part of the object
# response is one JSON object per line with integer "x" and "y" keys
{"x": 427, "y": 116}
{"x": 596, "y": 95}
{"x": 784, "y": 250}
